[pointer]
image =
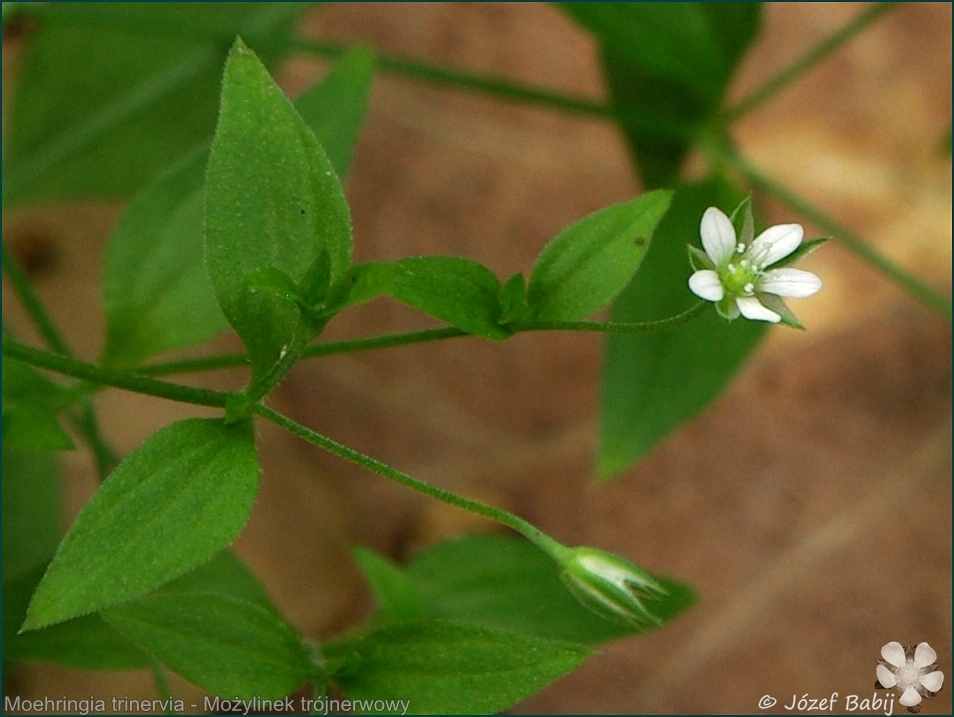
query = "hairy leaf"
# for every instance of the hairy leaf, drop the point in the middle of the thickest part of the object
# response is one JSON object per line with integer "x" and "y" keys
{"x": 156, "y": 289}
{"x": 223, "y": 644}
{"x": 589, "y": 263}
{"x": 459, "y": 291}
{"x": 396, "y": 592}
{"x": 452, "y": 668}
{"x": 169, "y": 506}
{"x": 83, "y": 643}
{"x": 272, "y": 202}
{"x": 90, "y": 643}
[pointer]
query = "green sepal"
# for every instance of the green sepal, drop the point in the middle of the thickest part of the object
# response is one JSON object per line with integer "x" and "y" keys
{"x": 803, "y": 250}
{"x": 778, "y": 305}
{"x": 698, "y": 259}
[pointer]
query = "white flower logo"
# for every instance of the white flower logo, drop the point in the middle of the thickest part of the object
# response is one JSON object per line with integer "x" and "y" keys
{"x": 912, "y": 672}
{"x": 748, "y": 276}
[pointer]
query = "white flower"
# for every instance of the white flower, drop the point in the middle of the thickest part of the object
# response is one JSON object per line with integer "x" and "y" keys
{"x": 737, "y": 273}
{"x": 912, "y": 672}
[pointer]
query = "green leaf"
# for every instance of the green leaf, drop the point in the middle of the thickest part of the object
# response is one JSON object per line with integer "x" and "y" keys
{"x": 156, "y": 290}
{"x": 667, "y": 66}
{"x": 451, "y": 668}
{"x": 509, "y": 584}
{"x": 83, "y": 643}
{"x": 224, "y": 645}
{"x": 32, "y": 505}
{"x": 90, "y": 643}
{"x": 366, "y": 281}
{"x": 677, "y": 42}
{"x": 654, "y": 382}
{"x": 31, "y": 403}
{"x": 172, "y": 504}
{"x": 589, "y": 263}
{"x": 513, "y": 300}
{"x": 111, "y": 93}
{"x": 335, "y": 108}
{"x": 459, "y": 291}
{"x": 272, "y": 202}
{"x": 227, "y": 575}
{"x": 396, "y": 592}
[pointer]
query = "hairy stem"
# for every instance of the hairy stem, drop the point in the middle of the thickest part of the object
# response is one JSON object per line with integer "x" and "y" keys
{"x": 117, "y": 379}
{"x": 31, "y": 302}
{"x": 84, "y": 418}
{"x": 162, "y": 686}
{"x": 534, "y": 535}
{"x": 615, "y": 327}
{"x": 330, "y": 348}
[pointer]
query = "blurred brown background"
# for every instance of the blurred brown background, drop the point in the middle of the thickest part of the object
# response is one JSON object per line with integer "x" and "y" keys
{"x": 810, "y": 506}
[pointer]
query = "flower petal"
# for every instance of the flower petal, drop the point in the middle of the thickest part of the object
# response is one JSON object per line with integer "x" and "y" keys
{"x": 706, "y": 285}
{"x": 933, "y": 681}
{"x": 924, "y": 656}
{"x": 776, "y": 243}
{"x": 751, "y": 308}
{"x": 718, "y": 235}
{"x": 894, "y": 653}
{"x": 886, "y": 677}
{"x": 793, "y": 283}
{"x": 910, "y": 697}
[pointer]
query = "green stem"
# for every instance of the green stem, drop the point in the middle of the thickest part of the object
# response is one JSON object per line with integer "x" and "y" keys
{"x": 290, "y": 354}
{"x": 162, "y": 686}
{"x": 117, "y": 379}
{"x": 85, "y": 418}
{"x": 919, "y": 290}
{"x": 93, "y": 16}
{"x": 806, "y": 62}
{"x": 328, "y": 348}
{"x": 615, "y": 327}
{"x": 85, "y": 422}
{"x": 31, "y": 302}
{"x": 494, "y": 86}
{"x": 531, "y": 533}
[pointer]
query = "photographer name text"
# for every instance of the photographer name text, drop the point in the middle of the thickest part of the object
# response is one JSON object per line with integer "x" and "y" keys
{"x": 831, "y": 703}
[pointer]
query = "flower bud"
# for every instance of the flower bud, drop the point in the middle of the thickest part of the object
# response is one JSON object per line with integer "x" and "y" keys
{"x": 611, "y": 586}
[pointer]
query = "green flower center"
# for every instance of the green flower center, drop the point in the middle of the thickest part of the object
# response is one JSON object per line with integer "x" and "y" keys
{"x": 739, "y": 277}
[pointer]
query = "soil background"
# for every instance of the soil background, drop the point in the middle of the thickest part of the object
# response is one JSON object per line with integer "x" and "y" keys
{"x": 810, "y": 506}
